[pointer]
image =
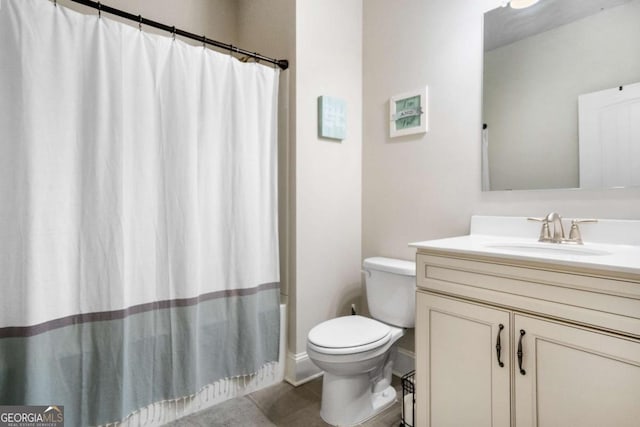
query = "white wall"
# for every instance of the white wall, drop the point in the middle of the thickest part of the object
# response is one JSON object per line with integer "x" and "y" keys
{"x": 426, "y": 187}
{"x": 531, "y": 90}
{"x": 328, "y": 173}
{"x": 420, "y": 186}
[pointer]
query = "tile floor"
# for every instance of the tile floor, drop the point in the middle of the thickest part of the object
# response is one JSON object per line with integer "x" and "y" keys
{"x": 281, "y": 405}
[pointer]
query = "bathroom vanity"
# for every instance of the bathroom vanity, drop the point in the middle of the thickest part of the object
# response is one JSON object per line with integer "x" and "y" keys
{"x": 513, "y": 332}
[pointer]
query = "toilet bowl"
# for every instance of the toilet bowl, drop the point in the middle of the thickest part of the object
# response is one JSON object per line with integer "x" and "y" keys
{"x": 356, "y": 353}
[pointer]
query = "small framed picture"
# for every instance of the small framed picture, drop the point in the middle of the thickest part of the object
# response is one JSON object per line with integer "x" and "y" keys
{"x": 332, "y": 118}
{"x": 408, "y": 113}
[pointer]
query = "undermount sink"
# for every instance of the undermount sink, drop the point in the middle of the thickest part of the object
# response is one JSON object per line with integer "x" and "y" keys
{"x": 547, "y": 248}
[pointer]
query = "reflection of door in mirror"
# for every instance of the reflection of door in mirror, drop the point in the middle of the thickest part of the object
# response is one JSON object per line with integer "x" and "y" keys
{"x": 609, "y": 135}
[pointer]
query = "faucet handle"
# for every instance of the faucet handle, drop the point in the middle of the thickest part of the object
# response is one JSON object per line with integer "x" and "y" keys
{"x": 580, "y": 220}
{"x": 537, "y": 219}
{"x": 574, "y": 233}
{"x": 545, "y": 234}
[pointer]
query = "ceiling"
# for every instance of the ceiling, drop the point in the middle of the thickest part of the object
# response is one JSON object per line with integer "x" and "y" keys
{"x": 504, "y": 25}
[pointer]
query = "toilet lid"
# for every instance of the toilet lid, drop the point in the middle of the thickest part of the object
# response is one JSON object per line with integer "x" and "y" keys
{"x": 348, "y": 331}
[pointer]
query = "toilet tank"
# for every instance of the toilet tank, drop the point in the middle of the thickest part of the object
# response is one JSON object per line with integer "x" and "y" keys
{"x": 391, "y": 290}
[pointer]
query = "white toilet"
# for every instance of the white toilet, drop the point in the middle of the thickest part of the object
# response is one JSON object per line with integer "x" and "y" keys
{"x": 356, "y": 352}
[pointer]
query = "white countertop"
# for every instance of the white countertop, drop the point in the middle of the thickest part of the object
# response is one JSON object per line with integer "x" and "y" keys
{"x": 622, "y": 255}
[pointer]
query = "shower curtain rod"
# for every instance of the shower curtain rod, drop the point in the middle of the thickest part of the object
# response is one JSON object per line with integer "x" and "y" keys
{"x": 282, "y": 63}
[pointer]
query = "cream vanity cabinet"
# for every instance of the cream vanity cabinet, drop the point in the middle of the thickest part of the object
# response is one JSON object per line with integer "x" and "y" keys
{"x": 577, "y": 331}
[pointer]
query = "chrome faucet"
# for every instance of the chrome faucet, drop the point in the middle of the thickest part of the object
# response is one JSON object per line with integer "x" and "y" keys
{"x": 575, "y": 236}
{"x": 554, "y": 220}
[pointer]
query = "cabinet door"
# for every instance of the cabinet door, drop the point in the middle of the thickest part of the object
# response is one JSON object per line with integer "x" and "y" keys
{"x": 575, "y": 376}
{"x": 458, "y": 378}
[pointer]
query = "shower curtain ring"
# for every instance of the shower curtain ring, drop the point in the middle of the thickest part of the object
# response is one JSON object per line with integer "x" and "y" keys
{"x": 140, "y": 22}
{"x": 173, "y": 32}
{"x": 204, "y": 41}
{"x": 55, "y": 3}
{"x": 99, "y": 10}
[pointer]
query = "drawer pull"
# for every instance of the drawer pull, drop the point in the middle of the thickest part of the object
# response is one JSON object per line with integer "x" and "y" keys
{"x": 498, "y": 346}
{"x": 522, "y": 371}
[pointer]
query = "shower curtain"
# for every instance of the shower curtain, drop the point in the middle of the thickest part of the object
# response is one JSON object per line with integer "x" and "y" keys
{"x": 138, "y": 214}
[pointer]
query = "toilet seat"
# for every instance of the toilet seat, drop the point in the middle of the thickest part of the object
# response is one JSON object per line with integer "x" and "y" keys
{"x": 348, "y": 335}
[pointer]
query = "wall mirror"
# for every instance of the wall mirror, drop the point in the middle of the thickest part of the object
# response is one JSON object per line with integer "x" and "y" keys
{"x": 561, "y": 95}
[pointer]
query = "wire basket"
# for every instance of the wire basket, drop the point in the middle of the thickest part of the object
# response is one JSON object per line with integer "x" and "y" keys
{"x": 408, "y": 399}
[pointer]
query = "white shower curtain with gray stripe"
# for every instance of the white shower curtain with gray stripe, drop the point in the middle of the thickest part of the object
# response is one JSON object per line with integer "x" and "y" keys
{"x": 138, "y": 214}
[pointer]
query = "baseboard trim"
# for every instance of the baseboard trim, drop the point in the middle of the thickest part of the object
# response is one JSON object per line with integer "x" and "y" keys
{"x": 300, "y": 369}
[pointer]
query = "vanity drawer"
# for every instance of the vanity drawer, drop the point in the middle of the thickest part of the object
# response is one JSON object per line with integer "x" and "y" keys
{"x": 596, "y": 301}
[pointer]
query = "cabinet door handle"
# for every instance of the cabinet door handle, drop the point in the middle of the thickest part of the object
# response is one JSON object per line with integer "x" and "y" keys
{"x": 498, "y": 346}
{"x": 522, "y": 371}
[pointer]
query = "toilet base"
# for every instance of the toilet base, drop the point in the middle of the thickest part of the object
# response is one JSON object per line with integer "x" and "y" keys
{"x": 383, "y": 400}
{"x": 349, "y": 400}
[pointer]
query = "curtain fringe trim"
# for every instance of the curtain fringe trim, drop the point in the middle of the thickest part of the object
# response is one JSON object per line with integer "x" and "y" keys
{"x": 162, "y": 412}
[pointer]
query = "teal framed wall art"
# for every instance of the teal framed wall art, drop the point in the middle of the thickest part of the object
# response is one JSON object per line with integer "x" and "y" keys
{"x": 408, "y": 113}
{"x": 332, "y": 118}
